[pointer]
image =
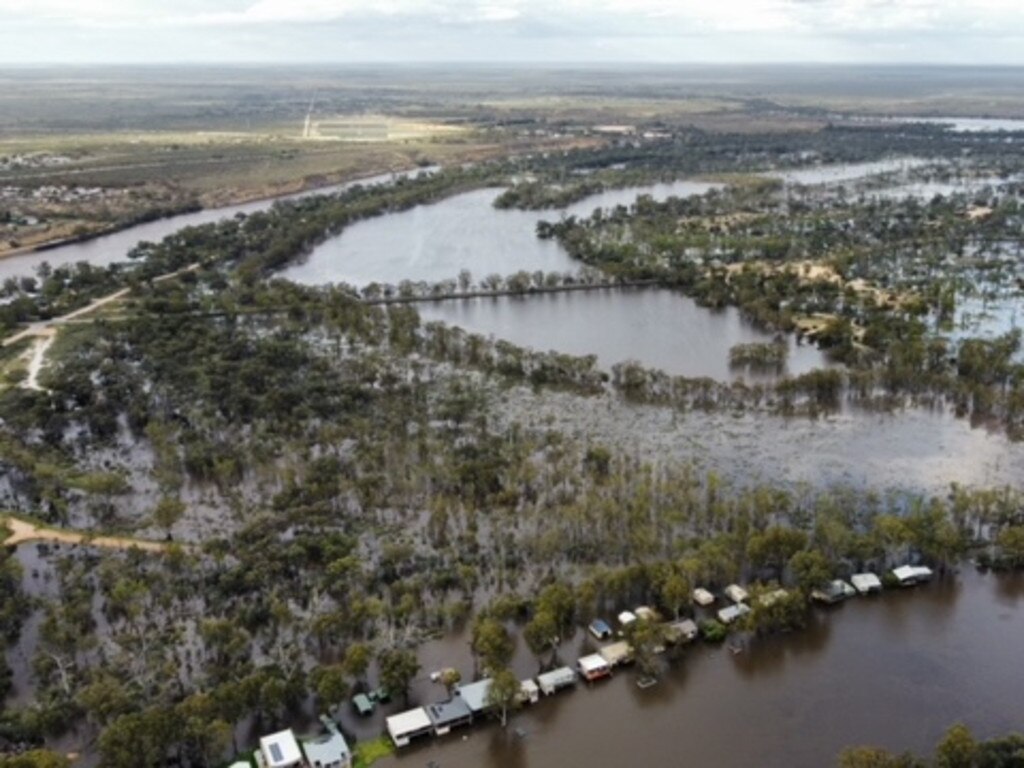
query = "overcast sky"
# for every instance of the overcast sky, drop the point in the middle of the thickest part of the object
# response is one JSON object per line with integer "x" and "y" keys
{"x": 869, "y": 31}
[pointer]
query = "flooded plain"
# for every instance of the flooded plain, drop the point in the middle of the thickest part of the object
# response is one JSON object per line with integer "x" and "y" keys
{"x": 435, "y": 242}
{"x": 893, "y": 670}
{"x": 108, "y": 249}
{"x": 658, "y": 328}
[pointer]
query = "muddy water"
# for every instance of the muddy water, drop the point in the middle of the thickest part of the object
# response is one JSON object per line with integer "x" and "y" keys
{"x": 658, "y": 328}
{"x": 917, "y": 450}
{"x": 108, "y": 249}
{"x": 841, "y": 172}
{"x": 432, "y": 243}
{"x": 893, "y": 670}
{"x": 435, "y": 242}
{"x": 969, "y": 124}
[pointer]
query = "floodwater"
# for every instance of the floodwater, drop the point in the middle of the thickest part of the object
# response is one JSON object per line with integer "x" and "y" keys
{"x": 658, "y": 328}
{"x": 917, "y": 450}
{"x": 435, "y": 242}
{"x": 842, "y": 172}
{"x": 969, "y": 124}
{"x": 114, "y": 247}
{"x": 893, "y": 670}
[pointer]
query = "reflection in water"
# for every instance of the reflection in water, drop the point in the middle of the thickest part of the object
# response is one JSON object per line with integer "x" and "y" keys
{"x": 658, "y": 328}
{"x": 894, "y": 670}
{"x": 435, "y": 242}
{"x": 108, "y": 249}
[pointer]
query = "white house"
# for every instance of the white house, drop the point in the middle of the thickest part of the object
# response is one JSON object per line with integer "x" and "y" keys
{"x": 280, "y": 750}
{"x": 406, "y": 726}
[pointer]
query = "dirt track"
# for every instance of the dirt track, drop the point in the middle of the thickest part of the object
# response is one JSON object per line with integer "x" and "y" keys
{"x": 24, "y": 532}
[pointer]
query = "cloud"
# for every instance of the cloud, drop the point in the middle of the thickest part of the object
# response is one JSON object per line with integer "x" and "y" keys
{"x": 520, "y": 29}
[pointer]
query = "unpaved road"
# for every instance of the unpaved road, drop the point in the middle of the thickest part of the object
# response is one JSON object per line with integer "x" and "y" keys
{"x": 23, "y": 532}
{"x": 46, "y": 332}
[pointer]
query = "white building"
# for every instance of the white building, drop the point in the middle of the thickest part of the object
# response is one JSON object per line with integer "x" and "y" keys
{"x": 280, "y": 750}
{"x": 406, "y": 726}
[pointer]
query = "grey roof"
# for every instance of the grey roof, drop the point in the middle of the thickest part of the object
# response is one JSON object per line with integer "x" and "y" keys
{"x": 448, "y": 712}
{"x": 327, "y": 749}
{"x": 733, "y": 612}
{"x": 475, "y": 694}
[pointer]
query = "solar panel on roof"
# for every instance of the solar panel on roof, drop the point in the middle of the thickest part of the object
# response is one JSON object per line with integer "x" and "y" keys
{"x": 275, "y": 752}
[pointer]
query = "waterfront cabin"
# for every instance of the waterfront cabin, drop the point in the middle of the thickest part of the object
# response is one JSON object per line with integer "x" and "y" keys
{"x": 328, "y": 750}
{"x": 446, "y": 715}
{"x": 909, "y": 575}
{"x": 593, "y": 667}
{"x": 835, "y": 591}
{"x": 406, "y": 726}
{"x": 280, "y": 750}
{"x": 529, "y": 692}
{"x": 684, "y": 631}
{"x": 475, "y": 695}
{"x": 770, "y": 598}
{"x": 599, "y": 629}
{"x": 702, "y": 597}
{"x": 733, "y": 612}
{"x": 616, "y": 654}
{"x": 626, "y": 618}
{"x": 736, "y": 593}
{"x": 647, "y": 613}
{"x": 362, "y": 704}
{"x": 866, "y": 583}
{"x": 556, "y": 680}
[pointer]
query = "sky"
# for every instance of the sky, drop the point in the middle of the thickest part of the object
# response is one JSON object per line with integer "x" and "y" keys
{"x": 982, "y": 32}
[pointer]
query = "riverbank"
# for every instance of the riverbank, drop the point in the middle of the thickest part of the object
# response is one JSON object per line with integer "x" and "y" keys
{"x": 241, "y": 197}
{"x": 894, "y": 670}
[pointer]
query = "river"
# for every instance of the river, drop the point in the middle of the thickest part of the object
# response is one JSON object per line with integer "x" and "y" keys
{"x": 659, "y": 328}
{"x": 893, "y": 670}
{"x": 107, "y": 249}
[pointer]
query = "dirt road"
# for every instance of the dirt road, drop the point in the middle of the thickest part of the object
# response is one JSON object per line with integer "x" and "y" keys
{"x": 23, "y": 532}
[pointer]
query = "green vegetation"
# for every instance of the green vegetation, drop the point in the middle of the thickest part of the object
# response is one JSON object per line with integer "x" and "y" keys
{"x": 958, "y": 749}
{"x": 348, "y": 484}
{"x": 366, "y": 753}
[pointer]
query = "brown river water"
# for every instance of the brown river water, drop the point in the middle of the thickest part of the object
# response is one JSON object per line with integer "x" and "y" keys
{"x": 892, "y": 670}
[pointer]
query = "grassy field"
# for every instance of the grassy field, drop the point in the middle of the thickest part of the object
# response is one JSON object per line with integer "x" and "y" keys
{"x": 155, "y": 140}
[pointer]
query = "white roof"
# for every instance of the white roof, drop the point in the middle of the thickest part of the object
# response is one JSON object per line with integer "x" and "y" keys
{"x": 865, "y": 581}
{"x": 475, "y": 694}
{"x": 616, "y": 653}
{"x": 770, "y": 598}
{"x": 686, "y": 627}
{"x": 560, "y": 675}
{"x": 410, "y": 721}
{"x": 528, "y": 686}
{"x": 736, "y": 593}
{"x": 646, "y": 612}
{"x": 592, "y": 663}
{"x": 905, "y": 572}
{"x": 702, "y": 597}
{"x": 627, "y": 617}
{"x": 280, "y": 749}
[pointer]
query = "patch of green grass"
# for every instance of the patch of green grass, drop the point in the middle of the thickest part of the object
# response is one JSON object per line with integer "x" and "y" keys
{"x": 368, "y": 752}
